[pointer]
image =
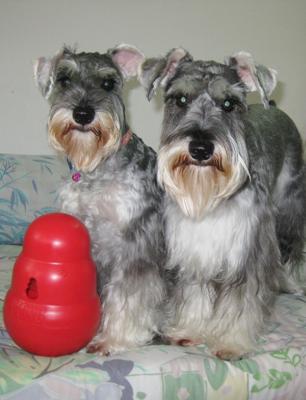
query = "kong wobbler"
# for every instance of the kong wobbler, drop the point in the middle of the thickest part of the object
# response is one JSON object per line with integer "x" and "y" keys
{"x": 52, "y": 307}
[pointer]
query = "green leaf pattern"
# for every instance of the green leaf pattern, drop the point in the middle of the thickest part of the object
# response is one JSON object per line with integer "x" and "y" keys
{"x": 28, "y": 188}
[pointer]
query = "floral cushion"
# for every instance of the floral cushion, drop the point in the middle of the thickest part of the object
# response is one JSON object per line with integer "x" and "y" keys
{"x": 275, "y": 371}
{"x": 28, "y": 189}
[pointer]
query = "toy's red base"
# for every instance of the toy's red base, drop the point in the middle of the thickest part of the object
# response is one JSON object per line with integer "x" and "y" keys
{"x": 51, "y": 330}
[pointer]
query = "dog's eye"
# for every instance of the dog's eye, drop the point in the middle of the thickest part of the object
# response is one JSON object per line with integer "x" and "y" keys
{"x": 229, "y": 104}
{"x": 64, "y": 81}
{"x": 181, "y": 101}
{"x": 108, "y": 84}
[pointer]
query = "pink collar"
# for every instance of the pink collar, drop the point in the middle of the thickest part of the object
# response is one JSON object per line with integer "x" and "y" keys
{"x": 126, "y": 137}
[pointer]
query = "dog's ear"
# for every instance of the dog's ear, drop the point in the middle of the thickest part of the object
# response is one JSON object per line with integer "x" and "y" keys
{"x": 255, "y": 77}
{"x": 43, "y": 70}
{"x": 155, "y": 72}
{"x": 42, "y": 74}
{"x": 128, "y": 59}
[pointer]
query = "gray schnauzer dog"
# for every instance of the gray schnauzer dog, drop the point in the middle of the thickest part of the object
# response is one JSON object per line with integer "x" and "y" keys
{"x": 235, "y": 203}
{"x": 113, "y": 189}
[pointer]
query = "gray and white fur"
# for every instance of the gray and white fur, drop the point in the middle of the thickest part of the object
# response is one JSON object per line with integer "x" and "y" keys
{"x": 113, "y": 191}
{"x": 235, "y": 203}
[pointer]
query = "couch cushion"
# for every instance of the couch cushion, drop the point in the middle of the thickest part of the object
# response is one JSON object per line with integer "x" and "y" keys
{"x": 275, "y": 371}
{"x": 28, "y": 189}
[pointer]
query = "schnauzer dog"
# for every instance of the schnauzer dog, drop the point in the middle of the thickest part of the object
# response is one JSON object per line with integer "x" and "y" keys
{"x": 235, "y": 198}
{"x": 113, "y": 189}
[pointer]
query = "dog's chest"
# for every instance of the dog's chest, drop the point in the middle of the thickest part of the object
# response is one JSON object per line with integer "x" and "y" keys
{"x": 109, "y": 200}
{"x": 210, "y": 246}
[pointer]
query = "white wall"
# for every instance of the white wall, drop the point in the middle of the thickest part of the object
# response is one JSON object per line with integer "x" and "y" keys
{"x": 274, "y": 31}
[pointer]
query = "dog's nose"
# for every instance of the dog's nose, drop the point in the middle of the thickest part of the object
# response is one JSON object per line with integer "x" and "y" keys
{"x": 201, "y": 150}
{"x": 83, "y": 115}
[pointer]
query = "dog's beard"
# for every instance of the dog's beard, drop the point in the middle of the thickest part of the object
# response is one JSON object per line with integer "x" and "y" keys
{"x": 85, "y": 147}
{"x": 199, "y": 187}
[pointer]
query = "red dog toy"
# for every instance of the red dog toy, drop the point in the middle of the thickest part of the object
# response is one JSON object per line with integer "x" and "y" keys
{"x": 52, "y": 307}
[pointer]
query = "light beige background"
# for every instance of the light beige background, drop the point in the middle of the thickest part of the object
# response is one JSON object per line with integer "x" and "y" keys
{"x": 274, "y": 31}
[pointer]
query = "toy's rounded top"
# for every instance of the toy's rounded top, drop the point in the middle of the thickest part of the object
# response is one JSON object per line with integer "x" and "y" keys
{"x": 57, "y": 237}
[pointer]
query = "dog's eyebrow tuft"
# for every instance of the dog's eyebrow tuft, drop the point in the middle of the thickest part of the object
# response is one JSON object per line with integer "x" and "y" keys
{"x": 68, "y": 65}
{"x": 107, "y": 71}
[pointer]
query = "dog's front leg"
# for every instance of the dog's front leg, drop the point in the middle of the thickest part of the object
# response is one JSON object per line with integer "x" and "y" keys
{"x": 131, "y": 309}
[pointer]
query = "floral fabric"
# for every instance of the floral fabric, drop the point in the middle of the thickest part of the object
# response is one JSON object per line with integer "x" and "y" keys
{"x": 28, "y": 189}
{"x": 276, "y": 371}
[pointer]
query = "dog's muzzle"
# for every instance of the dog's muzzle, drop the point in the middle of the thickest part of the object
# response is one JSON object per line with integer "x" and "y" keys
{"x": 201, "y": 150}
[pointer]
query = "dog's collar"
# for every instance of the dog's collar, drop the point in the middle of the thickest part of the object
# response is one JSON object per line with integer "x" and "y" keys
{"x": 76, "y": 175}
{"x": 126, "y": 137}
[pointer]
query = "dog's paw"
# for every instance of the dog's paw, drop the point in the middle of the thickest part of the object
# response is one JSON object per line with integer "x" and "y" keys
{"x": 98, "y": 347}
{"x": 186, "y": 342}
{"x": 105, "y": 346}
{"x": 228, "y": 354}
